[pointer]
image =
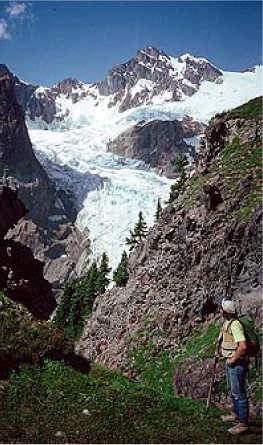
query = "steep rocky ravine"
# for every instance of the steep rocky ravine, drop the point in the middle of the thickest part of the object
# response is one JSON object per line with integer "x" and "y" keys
{"x": 206, "y": 245}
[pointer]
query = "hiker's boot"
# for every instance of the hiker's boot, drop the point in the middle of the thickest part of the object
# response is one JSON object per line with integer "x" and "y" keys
{"x": 240, "y": 428}
{"x": 229, "y": 418}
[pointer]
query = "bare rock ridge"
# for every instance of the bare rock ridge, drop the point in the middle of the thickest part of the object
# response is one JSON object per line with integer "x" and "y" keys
{"x": 21, "y": 275}
{"x": 205, "y": 246}
{"x": 39, "y": 102}
{"x": 48, "y": 229}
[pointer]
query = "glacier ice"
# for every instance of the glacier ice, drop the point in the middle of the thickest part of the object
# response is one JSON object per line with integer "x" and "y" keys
{"x": 110, "y": 191}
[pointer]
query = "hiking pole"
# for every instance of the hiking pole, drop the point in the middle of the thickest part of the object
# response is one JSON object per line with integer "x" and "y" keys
{"x": 208, "y": 402}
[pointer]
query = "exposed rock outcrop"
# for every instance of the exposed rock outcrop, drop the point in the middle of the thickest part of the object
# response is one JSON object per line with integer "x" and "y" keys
{"x": 21, "y": 275}
{"x": 157, "y": 143}
{"x": 205, "y": 246}
{"x": 52, "y": 212}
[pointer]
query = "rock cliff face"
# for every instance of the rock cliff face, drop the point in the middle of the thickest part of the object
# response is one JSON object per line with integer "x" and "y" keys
{"x": 157, "y": 143}
{"x": 205, "y": 246}
{"x": 21, "y": 275}
{"x": 48, "y": 229}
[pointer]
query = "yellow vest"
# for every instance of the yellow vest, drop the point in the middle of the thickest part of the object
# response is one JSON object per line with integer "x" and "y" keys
{"x": 228, "y": 345}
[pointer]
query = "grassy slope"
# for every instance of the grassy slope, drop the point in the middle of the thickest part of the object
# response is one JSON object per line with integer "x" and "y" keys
{"x": 46, "y": 406}
{"x": 235, "y": 163}
{"x": 249, "y": 110}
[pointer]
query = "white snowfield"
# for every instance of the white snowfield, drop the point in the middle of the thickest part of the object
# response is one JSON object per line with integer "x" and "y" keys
{"x": 110, "y": 191}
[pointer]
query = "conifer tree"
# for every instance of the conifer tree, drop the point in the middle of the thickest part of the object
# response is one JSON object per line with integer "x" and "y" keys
{"x": 180, "y": 164}
{"x": 132, "y": 240}
{"x": 90, "y": 286}
{"x": 139, "y": 233}
{"x": 159, "y": 210}
{"x": 61, "y": 318}
{"x": 77, "y": 301}
{"x": 102, "y": 279}
{"x": 69, "y": 309}
{"x": 120, "y": 275}
{"x": 140, "y": 229}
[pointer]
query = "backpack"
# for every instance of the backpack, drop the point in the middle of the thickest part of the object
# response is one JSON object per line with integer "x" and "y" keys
{"x": 252, "y": 339}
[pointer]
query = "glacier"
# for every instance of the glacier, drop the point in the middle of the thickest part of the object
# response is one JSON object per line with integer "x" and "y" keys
{"x": 110, "y": 190}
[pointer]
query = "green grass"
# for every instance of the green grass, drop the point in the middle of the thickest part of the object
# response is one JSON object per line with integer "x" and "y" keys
{"x": 241, "y": 157}
{"x": 236, "y": 164}
{"x": 249, "y": 110}
{"x": 153, "y": 370}
{"x": 239, "y": 163}
{"x": 45, "y": 405}
{"x": 201, "y": 344}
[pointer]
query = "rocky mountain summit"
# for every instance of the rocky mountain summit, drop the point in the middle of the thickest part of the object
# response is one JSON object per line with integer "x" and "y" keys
{"x": 158, "y": 73}
{"x": 48, "y": 229}
{"x": 21, "y": 275}
{"x": 38, "y": 102}
{"x": 206, "y": 245}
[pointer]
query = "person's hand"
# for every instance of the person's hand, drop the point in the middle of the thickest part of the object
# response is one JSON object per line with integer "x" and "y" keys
{"x": 230, "y": 361}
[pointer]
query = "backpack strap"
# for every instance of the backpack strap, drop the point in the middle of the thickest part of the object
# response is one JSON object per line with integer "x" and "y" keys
{"x": 228, "y": 326}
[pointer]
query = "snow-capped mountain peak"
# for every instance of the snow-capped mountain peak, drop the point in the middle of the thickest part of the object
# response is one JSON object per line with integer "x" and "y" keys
{"x": 151, "y": 85}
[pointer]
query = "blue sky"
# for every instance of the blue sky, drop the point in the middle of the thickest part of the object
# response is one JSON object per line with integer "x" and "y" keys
{"x": 45, "y": 42}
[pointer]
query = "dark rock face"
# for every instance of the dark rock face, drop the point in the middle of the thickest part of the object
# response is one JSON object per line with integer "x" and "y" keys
{"x": 191, "y": 127}
{"x": 41, "y": 102}
{"x": 17, "y": 156}
{"x": 25, "y": 281}
{"x": 202, "y": 249}
{"x": 21, "y": 275}
{"x": 157, "y": 143}
{"x": 51, "y": 211}
{"x": 11, "y": 210}
{"x": 193, "y": 380}
{"x": 24, "y": 92}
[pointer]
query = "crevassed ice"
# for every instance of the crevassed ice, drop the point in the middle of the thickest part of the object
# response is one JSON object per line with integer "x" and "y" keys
{"x": 110, "y": 191}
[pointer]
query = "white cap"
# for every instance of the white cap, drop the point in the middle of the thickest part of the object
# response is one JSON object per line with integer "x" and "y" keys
{"x": 228, "y": 306}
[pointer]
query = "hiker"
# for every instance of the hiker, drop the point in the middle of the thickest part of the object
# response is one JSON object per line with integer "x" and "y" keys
{"x": 232, "y": 345}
